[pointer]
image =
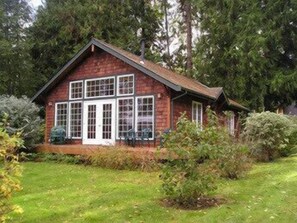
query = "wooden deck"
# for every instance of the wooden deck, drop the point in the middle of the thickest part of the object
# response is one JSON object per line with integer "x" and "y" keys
{"x": 93, "y": 149}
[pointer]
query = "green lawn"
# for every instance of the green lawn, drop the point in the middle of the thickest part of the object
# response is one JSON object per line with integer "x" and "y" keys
{"x": 74, "y": 193}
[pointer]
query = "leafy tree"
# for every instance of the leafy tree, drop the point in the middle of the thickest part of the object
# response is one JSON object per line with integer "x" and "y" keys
{"x": 10, "y": 171}
{"x": 15, "y": 66}
{"x": 249, "y": 48}
{"x": 61, "y": 28}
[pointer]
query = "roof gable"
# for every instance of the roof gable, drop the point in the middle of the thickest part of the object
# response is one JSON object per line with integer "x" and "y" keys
{"x": 169, "y": 78}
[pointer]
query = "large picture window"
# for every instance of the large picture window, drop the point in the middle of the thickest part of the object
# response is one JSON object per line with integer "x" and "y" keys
{"x": 100, "y": 87}
{"x": 125, "y": 84}
{"x": 197, "y": 113}
{"x": 145, "y": 113}
{"x": 125, "y": 116}
{"x": 75, "y": 119}
{"x": 76, "y": 90}
{"x": 61, "y": 114}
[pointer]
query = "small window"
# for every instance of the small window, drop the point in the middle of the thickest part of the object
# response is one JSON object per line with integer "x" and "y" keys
{"x": 61, "y": 115}
{"x": 231, "y": 122}
{"x": 76, "y": 90}
{"x": 75, "y": 118}
{"x": 145, "y": 114}
{"x": 126, "y": 84}
{"x": 197, "y": 114}
{"x": 125, "y": 116}
{"x": 100, "y": 87}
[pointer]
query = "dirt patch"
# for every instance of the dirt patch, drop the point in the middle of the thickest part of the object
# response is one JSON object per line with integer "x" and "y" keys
{"x": 198, "y": 204}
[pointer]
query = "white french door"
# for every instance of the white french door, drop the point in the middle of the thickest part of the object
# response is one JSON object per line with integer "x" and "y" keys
{"x": 99, "y": 122}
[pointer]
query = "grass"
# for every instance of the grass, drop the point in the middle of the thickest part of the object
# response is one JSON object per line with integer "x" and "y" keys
{"x": 74, "y": 193}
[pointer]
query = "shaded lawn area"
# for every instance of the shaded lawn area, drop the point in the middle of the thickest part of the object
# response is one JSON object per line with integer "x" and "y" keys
{"x": 74, "y": 193}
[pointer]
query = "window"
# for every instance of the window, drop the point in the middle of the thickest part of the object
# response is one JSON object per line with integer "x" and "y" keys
{"x": 125, "y": 116}
{"x": 231, "y": 122}
{"x": 126, "y": 84}
{"x": 61, "y": 115}
{"x": 197, "y": 113}
{"x": 144, "y": 113}
{"x": 75, "y": 119}
{"x": 76, "y": 89}
{"x": 100, "y": 87}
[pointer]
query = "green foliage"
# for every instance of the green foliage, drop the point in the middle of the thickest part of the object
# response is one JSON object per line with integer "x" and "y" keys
{"x": 251, "y": 44}
{"x": 188, "y": 174}
{"x": 291, "y": 147}
{"x": 16, "y": 76}
{"x": 122, "y": 159}
{"x": 10, "y": 171}
{"x": 55, "y": 157}
{"x": 267, "y": 134}
{"x": 21, "y": 115}
{"x": 198, "y": 157}
{"x": 61, "y": 28}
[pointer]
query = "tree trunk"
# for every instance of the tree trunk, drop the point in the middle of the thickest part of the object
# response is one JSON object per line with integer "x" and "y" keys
{"x": 188, "y": 21}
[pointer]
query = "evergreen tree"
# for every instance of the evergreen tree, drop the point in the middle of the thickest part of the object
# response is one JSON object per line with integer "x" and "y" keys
{"x": 249, "y": 48}
{"x": 15, "y": 65}
{"x": 63, "y": 27}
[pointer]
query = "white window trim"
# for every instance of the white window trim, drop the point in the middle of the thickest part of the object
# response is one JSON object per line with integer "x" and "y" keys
{"x": 95, "y": 79}
{"x": 56, "y": 108}
{"x": 136, "y": 113}
{"x": 231, "y": 123}
{"x": 118, "y": 82}
{"x": 117, "y": 110}
{"x": 69, "y": 121}
{"x": 194, "y": 103}
{"x": 70, "y": 89}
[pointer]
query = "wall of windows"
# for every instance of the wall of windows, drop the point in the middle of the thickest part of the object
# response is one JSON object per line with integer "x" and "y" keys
{"x": 132, "y": 112}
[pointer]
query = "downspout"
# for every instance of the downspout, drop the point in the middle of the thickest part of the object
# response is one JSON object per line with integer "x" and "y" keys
{"x": 172, "y": 111}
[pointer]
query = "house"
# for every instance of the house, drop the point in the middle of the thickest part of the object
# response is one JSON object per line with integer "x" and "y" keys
{"x": 104, "y": 91}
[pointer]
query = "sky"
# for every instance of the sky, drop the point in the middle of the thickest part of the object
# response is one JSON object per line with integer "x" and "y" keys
{"x": 35, "y": 3}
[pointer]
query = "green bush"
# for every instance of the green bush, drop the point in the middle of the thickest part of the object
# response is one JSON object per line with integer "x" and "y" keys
{"x": 291, "y": 147}
{"x": 233, "y": 160}
{"x": 123, "y": 159}
{"x": 21, "y": 115}
{"x": 188, "y": 174}
{"x": 267, "y": 134}
{"x": 10, "y": 171}
{"x": 197, "y": 158}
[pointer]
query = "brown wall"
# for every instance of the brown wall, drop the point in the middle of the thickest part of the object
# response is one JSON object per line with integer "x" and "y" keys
{"x": 101, "y": 64}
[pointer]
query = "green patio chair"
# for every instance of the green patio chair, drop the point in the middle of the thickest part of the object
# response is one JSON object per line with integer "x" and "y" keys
{"x": 130, "y": 137}
{"x": 146, "y": 134}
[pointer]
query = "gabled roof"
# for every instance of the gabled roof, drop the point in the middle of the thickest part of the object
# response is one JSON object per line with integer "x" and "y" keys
{"x": 169, "y": 78}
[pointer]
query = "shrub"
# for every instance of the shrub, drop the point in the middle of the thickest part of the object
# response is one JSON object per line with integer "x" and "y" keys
{"x": 267, "y": 134}
{"x": 233, "y": 160}
{"x": 187, "y": 175}
{"x": 291, "y": 147}
{"x": 10, "y": 171}
{"x": 21, "y": 115}
{"x": 123, "y": 159}
{"x": 196, "y": 159}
